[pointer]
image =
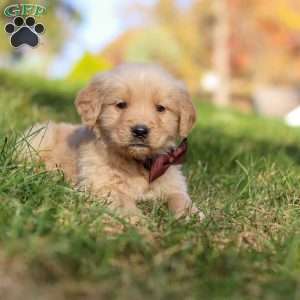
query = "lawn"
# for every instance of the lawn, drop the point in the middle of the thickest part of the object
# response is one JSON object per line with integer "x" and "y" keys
{"x": 243, "y": 172}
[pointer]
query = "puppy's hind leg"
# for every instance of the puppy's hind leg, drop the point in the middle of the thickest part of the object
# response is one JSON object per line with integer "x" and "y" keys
{"x": 36, "y": 141}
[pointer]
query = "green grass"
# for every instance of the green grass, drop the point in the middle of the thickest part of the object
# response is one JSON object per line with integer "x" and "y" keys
{"x": 243, "y": 172}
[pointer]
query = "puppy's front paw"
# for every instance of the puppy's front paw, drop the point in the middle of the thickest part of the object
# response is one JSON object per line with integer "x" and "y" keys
{"x": 182, "y": 206}
{"x": 195, "y": 211}
{"x": 189, "y": 212}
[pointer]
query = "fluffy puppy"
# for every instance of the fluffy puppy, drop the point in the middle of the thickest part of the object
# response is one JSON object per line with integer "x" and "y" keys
{"x": 129, "y": 114}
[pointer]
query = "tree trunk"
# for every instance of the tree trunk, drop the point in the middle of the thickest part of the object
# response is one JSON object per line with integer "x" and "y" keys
{"x": 221, "y": 53}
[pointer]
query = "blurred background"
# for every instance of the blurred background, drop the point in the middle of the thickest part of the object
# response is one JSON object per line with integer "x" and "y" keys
{"x": 240, "y": 53}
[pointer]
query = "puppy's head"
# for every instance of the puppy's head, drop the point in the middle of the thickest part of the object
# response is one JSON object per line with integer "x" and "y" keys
{"x": 139, "y": 110}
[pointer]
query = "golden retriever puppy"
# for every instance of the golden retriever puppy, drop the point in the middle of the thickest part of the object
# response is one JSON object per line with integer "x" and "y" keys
{"x": 130, "y": 115}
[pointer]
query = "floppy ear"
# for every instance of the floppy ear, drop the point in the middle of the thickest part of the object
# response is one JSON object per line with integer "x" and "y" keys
{"x": 88, "y": 104}
{"x": 187, "y": 113}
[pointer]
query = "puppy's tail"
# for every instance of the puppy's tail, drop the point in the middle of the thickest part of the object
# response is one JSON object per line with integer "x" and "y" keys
{"x": 36, "y": 142}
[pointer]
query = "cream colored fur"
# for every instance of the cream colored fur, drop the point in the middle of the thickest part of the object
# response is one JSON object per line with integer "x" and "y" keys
{"x": 101, "y": 155}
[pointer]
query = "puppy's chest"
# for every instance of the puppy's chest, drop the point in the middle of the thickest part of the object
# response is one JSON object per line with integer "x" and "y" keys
{"x": 104, "y": 178}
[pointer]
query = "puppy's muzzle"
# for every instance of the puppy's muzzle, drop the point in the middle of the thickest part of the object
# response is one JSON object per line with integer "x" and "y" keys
{"x": 140, "y": 131}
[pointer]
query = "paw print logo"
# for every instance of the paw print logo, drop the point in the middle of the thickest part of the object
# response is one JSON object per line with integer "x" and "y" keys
{"x": 24, "y": 32}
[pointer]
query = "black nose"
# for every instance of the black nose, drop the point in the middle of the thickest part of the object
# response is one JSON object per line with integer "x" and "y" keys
{"x": 140, "y": 131}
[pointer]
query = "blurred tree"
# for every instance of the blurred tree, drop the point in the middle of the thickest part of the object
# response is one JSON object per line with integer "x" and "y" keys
{"x": 221, "y": 52}
{"x": 171, "y": 36}
{"x": 87, "y": 67}
{"x": 150, "y": 44}
{"x": 265, "y": 40}
{"x": 243, "y": 41}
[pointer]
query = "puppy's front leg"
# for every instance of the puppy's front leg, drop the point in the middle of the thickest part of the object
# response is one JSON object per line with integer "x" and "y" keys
{"x": 181, "y": 205}
{"x": 173, "y": 188}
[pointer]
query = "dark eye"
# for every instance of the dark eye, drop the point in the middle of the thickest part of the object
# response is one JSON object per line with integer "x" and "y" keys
{"x": 160, "y": 108}
{"x": 122, "y": 105}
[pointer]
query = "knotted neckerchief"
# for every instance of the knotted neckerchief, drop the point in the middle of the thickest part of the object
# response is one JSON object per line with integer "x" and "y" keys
{"x": 158, "y": 165}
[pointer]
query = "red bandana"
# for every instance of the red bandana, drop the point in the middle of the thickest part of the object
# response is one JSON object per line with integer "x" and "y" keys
{"x": 160, "y": 164}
